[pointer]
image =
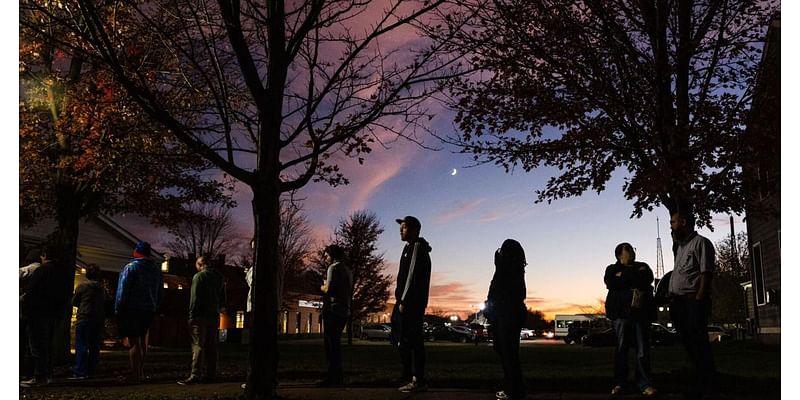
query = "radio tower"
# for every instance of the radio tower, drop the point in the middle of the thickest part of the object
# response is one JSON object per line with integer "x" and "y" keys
{"x": 659, "y": 254}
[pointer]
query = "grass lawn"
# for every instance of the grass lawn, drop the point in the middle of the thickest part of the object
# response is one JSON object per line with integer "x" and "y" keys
{"x": 548, "y": 366}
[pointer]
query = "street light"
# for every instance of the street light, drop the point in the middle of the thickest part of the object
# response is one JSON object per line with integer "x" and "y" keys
{"x": 482, "y": 306}
{"x": 454, "y": 318}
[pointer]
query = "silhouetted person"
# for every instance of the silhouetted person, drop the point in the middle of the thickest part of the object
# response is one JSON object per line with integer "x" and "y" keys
{"x": 506, "y": 308}
{"x": 411, "y": 299}
{"x": 206, "y": 302}
{"x": 630, "y": 307}
{"x": 690, "y": 297}
{"x": 89, "y": 297}
{"x": 40, "y": 281}
{"x": 139, "y": 293}
{"x": 336, "y": 294}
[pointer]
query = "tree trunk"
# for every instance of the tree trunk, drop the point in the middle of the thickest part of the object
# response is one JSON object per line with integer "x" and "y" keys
{"x": 65, "y": 244}
{"x": 262, "y": 380}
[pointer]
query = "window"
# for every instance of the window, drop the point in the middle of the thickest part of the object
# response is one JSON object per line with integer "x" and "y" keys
{"x": 180, "y": 286}
{"x": 166, "y": 286}
{"x": 308, "y": 323}
{"x": 165, "y": 266}
{"x": 239, "y": 319}
{"x": 758, "y": 276}
{"x": 297, "y": 323}
{"x": 285, "y": 325}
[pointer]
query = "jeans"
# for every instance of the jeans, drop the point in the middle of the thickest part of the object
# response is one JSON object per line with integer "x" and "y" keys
{"x": 506, "y": 345}
{"x": 691, "y": 320}
{"x": 25, "y": 362}
{"x": 204, "y": 347}
{"x": 412, "y": 348}
{"x": 630, "y": 332}
{"x": 88, "y": 336}
{"x": 40, "y": 340}
{"x": 333, "y": 325}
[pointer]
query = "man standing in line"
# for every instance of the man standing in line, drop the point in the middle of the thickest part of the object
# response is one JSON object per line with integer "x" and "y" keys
{"x": 206, "y": 302}
{"x": 40, "y": 281}
{"x": 90, "y": 299}
{"x": 630, "y": 307}
{"x": 411, "y": 294}
{"x": 690, "y": 293}
{"x": 337, "y": 291}
{"x": 139, "y": 293}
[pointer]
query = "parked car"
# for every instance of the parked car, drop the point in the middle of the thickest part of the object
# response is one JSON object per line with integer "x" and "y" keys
{"x": 526, "y": 334}
{"x": 661, "y": 335}
{"x": 600, "y": 337}
{"x": 576, "y": 331}
{"x": 433, "y": 332}
{"x": 460, "y": 333}
{"x": 717, "y": 333}
{"x": 376, "y": 331}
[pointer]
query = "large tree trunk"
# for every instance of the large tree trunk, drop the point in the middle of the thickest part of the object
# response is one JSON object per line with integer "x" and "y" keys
{"x": 263, "y": 377}
{"x": 65, "y": 244}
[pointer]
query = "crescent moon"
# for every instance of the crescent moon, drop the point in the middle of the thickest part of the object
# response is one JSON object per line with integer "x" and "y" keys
{"x": 455, "y": 171}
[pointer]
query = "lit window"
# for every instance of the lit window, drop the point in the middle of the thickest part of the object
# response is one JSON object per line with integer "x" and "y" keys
{"x": 165, "y": 266}
{"x": 180, "y": 286}
{"x": 166, "y": 286}
{"x": 239, "y": 319}
{"x": 83, "y": 271}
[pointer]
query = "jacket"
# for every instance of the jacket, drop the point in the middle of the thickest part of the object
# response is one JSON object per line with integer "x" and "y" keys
{"x": 90, "y": 299}
{"x": 340, "y": 290}
{"x": 140, "y": 287}
{"x": 207, "y": 296}
{"x": 415, "y": 299}
{"x": 620, "y": 291}
{"x": 506, "y": 298}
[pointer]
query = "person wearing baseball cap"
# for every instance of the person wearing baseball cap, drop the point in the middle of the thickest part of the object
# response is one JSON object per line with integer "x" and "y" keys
{"x": 411, "y": 294}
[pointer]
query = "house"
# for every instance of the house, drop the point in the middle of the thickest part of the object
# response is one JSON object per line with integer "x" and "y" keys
{"x": 762, "y": 173}
{"x": 103, "y": 242}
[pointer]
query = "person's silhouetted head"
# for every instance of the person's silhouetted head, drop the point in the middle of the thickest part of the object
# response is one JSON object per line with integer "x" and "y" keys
{"x": 681, "y": 224}
{"x": 142, "y": 250}
{"x": 625, "y": 253}
{"x": 409, "y": 228}
{"x": 92, "y": 272}
{"x": 510, "y": 255}
{"x": 335, "y": 252}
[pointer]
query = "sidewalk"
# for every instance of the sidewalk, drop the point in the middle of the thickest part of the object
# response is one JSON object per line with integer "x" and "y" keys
{"x": 301, "y": 391}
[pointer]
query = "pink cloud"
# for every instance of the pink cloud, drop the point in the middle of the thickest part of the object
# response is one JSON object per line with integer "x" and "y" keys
{"x": 459, "y": 210}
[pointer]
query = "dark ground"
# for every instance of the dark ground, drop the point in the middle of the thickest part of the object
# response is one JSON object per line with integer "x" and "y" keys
{"x": 552, "y": 370}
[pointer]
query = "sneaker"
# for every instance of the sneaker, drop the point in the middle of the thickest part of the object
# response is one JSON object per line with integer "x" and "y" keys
{"x": 413, "y": 386}
{"x": 616, "y": 390}
{"x": 649, "y": 391}
{"x": 34, "y": 382}
{"x": 191, "y": 380}
{"x": 501, "y": 395}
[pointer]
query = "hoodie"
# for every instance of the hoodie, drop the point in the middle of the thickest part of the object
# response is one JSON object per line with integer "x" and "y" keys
{"x": 415, "y": 299}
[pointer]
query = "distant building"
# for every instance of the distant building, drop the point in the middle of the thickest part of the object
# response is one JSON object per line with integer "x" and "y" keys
{"x": 762, "y": 173}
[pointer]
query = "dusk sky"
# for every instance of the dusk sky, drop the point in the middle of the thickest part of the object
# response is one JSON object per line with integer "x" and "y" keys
{"x": 467, "y": 216}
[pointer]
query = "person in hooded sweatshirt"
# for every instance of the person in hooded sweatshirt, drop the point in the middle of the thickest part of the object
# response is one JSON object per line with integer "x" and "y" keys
{"x": 139, "y": 293}
{"x": 506, "y": 312}
{"x": 411, "y": 294}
